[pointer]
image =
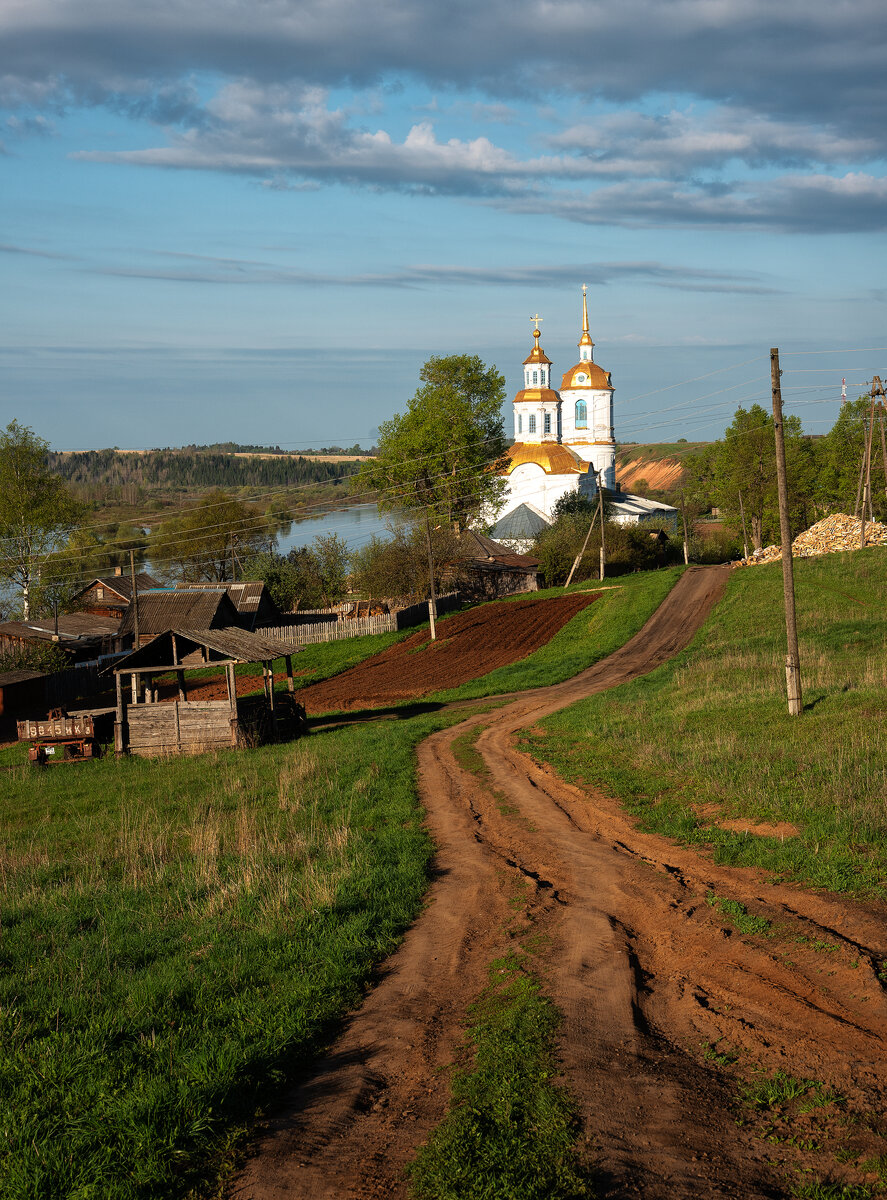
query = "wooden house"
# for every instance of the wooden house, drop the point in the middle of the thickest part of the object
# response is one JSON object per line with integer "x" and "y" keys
{"x": 110, "y": 595}
{"x": 80, "y": 635}
{"x": 160, "y": 609}
{"x": 200, "y": 713}
{"x": 254, "y": 604}
{"x": 487, "y": 569}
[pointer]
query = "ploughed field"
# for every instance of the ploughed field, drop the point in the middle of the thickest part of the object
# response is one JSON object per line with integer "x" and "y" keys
{"x": 469, "y": 645}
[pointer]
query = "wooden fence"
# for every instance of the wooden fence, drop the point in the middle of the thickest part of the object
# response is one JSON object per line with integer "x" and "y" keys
{"x": 306, "y": 634}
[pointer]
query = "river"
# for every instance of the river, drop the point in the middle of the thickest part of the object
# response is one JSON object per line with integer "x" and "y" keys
{"x": 355, "y": 525}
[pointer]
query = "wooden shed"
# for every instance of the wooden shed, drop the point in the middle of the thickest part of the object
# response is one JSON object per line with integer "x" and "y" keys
{"x": 147, "y": 722}
{"x": 110, "y": 595}
{"x": 160, "y": 609}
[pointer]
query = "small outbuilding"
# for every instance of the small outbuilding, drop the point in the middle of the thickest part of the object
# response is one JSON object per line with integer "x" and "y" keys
{"x": 196, "y": 713}
{"x": 486, "y": 569}
{"x": 160, "y": 609}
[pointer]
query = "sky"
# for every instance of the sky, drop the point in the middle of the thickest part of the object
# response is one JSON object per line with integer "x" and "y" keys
{"x": 254, "y": 220}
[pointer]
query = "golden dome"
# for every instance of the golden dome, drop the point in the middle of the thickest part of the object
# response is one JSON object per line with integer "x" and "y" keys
{"x": 537, "y": 354}
{"x": 595, "y": 378}
{"x": 537, "y": 394}
{"x": 552, "y": 457}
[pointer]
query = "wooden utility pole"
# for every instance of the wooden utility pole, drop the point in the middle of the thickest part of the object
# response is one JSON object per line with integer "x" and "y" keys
{"x": 744, "y": 530}
{"x": 793, "y": 658}
{"x": 686, "y": 537}
{"x": 600, "y": 490}
{"x": 578, "y": 559}
{"x": 867, "y": 465}
{"x": 135, "y": 599}
{"x": 432, "y": 598}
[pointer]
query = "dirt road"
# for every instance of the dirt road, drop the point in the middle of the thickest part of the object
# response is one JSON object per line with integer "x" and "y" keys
{"x": 645, "y": 972}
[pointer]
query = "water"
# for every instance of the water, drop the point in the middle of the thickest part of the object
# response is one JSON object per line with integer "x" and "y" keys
{"x": 355, "y": 525}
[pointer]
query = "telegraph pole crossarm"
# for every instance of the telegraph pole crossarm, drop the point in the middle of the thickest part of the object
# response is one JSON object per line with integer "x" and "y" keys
{"x": 792, "y": 661}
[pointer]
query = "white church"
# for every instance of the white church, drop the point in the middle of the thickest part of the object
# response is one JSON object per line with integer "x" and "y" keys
{"x": 564, "y": 442}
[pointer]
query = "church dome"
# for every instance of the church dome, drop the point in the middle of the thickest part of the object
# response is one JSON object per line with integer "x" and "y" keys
{"x": 587, "y": 375}
{"x": 553, "y": 457}
{"x": 538, "y": 395}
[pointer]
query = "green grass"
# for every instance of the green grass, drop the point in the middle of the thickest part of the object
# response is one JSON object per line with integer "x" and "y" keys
{"x": 707, "y": 736}
{"x": 739, "y": 916}
{"x": 590, "y": 636}
{"x": 179, "y": 937}
{"x": 512, "y": 1131}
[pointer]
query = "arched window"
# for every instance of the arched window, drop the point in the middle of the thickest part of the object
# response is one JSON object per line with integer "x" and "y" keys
{"x": 520, "y": 423}
{"x": 531, "y": 426}
{"x": 581, "y": 415}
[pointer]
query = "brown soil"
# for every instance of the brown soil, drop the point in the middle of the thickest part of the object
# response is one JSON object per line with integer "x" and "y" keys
{"x": 660, "y": 475}
{"x": 645, "y": 972}
{"x": 469, "y": 645}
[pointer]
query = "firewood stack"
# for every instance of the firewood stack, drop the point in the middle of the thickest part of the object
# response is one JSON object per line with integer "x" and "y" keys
{"x": 829, "y": 536}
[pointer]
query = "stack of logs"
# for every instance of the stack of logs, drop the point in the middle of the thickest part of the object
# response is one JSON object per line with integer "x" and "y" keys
{"x": 829, "y": 536}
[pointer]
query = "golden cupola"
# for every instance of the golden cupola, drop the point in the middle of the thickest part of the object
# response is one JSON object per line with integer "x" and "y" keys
{"x": 586, "y": 345}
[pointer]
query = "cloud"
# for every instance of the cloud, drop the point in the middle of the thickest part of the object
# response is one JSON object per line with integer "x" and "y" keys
{"x": 809, "y": 58}
{"x": 9, "y": 248}
{"x": 207, "y": 269}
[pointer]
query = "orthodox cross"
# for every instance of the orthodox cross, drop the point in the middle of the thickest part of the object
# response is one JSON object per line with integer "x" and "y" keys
{"x": 537, "y": 319}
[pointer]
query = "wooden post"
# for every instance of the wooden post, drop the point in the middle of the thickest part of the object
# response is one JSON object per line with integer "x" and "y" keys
{"x": 271, "y": 698}
{"x": 600, "y": 489}
{"x": 686, "y": 538}
{"x": 883, "y": 442}
{"x": 119, "y": 740}
{"x": 867, "y": 490}
{"x": 432, "y": 598}
{"x": 744, "y": 530}
{"x": 134, "y": 678}
{"x": 135, "y": 599}
{"x": 578, "y": 558}
{"x": 232, "y": 699}
{"x": 290, "y": 683}
{"x": 793, "y": 659}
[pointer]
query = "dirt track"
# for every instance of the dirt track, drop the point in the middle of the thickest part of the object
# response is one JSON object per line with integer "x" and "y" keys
{"x": 644, "y": 971}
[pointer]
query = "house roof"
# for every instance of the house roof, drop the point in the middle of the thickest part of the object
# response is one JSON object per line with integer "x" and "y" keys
{"x": 121, "y": 585}
{"x": 484, "y": 552}
{"x": 521, "y": 524}
{"x": 227, "y": 643}
{"x": 176, "y": 608}
{"x": 630, "y": 505}
{"x": 246, "y": 596}
{"x": 72, "y": 627}
{"x": 8, "y": 678}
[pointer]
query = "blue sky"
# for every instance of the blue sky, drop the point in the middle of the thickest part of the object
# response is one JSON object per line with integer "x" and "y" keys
{"x": 222, "y": 219}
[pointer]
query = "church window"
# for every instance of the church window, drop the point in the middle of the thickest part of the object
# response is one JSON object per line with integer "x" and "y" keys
{"x": 520, "y": 423}
{"x": 581, "y": 415}
{"x": 547, "y": 423}
{"x": 535, "y": 377}
{"x": 531, "y": 426}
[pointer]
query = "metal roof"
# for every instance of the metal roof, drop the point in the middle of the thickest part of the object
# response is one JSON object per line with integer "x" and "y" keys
{"x": 246, "y": 596}
{"x": 72, "y": 627}
{"x": 521, "y": 524}
{"x": 168, "y": 608}
{"x": 121, "y": 585}
{"x": 483, "y": 551}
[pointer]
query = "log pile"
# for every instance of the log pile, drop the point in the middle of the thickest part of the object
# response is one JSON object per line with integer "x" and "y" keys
{"x": 829, "y": 536}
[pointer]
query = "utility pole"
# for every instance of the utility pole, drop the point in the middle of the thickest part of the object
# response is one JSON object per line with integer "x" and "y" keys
{"x": 432, "y": 598}
{"x": 793, "y": 659}
{"x": 600, "y": 489}
{"x": 744, "y": 530}
{"x": 686, "y": 537}
{"x": 135, "y": 599}
{"x": 578, "y": 559}
{"x": 878, "y": 391}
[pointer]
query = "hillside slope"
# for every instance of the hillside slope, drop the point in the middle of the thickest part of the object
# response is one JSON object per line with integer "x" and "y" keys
{"x": 656, "y": 466}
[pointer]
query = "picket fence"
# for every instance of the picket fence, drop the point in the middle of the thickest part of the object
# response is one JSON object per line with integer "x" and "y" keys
{"x": 334, "y": 630}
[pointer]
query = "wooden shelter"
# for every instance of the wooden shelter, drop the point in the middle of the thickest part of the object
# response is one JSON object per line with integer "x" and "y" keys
{"x": 147, "y": 724}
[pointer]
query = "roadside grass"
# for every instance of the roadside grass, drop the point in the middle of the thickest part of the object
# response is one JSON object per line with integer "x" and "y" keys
{"x": 512, "y": 1131}
{"x": 590, "y": 636}
{"x": 180, "y": 936}
{"x": 707, "y": 737}
{"x": 739, "y": 916}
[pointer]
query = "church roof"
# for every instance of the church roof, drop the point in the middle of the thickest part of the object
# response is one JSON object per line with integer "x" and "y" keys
{"x": 552, "y": 457}
{"x": 597, "y": 379}
{"x": 520, "y": 525}
{"x": 538, "y": 394}
{"x": 537, "y": 354}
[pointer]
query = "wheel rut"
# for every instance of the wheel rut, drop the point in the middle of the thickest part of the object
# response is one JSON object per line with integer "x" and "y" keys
{"x": 644, "y": 970}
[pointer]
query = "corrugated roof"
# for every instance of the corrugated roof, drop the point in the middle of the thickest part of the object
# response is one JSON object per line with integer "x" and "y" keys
{"x": 521, "y": 524}
{"x": 72, "y": 626}
{"x": 169, "y": 608}
{"x": 246, "y": 596}
{"x": 231, "y": 642}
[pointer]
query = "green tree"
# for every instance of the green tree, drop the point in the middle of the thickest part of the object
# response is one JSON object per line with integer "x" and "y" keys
{"x": 444, "y": 453}
{"x": 312, "y": 576}
{"x": 36, "y": 510}
{"x": 839, "y": 456}
{"x": 202, "y": 542}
